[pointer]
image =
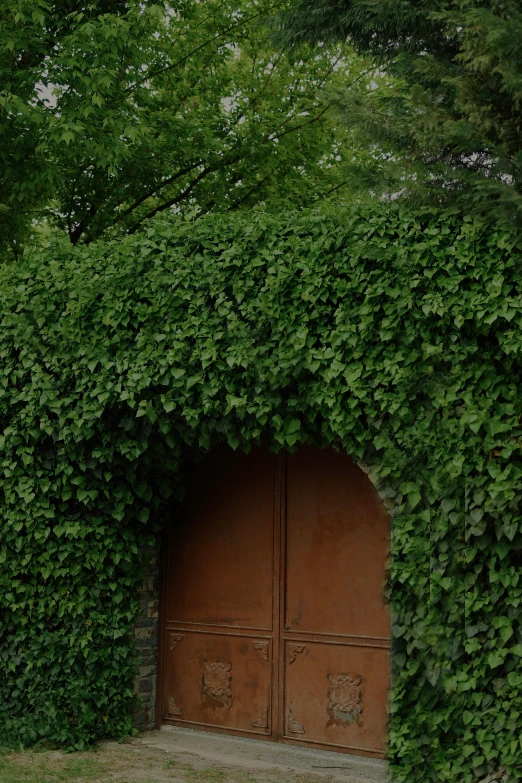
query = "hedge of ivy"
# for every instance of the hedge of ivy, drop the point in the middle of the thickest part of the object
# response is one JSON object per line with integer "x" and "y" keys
{"x": 395, "y": 337}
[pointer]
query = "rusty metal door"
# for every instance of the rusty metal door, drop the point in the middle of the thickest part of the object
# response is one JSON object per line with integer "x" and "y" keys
{"x": 335, "y": 640}
{"x": 273, "y": 621}
{"x": 220, "y": 592}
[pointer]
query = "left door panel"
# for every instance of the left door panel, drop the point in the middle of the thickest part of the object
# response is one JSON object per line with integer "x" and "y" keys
{"x": 220, "y": 681}
{"x": 219, "y": 608}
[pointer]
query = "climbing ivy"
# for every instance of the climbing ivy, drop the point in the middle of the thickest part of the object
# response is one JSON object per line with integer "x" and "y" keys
{"x": 394, "y": 337}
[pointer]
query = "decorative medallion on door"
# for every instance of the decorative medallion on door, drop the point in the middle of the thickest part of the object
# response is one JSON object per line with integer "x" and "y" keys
{"x": 174, "y": 639}
{"x": 344, "y": 697}
{"x": 262, "y": 722}
{"x": 293, "y": 650}
{"x": 262, "y": 647}
{"x": 216, "y": 682}
{"x": 173, "y": 707}
{"x": 292, "y": 725}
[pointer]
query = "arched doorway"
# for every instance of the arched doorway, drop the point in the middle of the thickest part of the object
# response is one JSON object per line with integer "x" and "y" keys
{"x": 273, "y": 622}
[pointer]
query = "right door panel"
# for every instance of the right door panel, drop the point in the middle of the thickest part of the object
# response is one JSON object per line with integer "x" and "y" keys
{"x": 335, "y": 622}
{"x": 336, "y": 694}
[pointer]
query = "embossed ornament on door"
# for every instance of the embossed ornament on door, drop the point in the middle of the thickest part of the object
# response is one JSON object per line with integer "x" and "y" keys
{"x": 273, "y": 618}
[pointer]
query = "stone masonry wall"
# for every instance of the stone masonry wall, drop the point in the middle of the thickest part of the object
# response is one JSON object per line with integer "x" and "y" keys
{"x": 146, "y": 639}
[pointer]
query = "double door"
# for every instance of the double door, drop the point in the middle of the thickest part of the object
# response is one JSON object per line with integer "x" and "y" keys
{"x": 273, "y": 622}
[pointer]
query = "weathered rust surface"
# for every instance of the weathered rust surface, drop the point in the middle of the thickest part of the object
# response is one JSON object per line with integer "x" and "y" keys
{"x": 339, "y": 690}
{"x": 275, "y": 623}
{"x": 336, "y": 547}
{"x": 220, "y": 592}
{"x": 217, "y": 680}
{"x": 221, "y": 551}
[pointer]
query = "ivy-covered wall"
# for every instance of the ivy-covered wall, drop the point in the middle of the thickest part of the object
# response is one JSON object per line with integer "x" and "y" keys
{"x": 394, "y": 337}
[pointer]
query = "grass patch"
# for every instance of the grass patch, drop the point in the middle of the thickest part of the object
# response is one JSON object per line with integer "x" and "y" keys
{"x": 117, "y": 767}
{"x": 34, "y": 767}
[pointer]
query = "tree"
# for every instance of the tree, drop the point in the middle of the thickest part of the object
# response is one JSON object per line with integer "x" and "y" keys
{"x": 113, "y": 112}
{"x": 32, "y": 32}
{"x": 447, "y": 122}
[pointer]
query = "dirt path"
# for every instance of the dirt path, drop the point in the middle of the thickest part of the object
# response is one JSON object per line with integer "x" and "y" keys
{"x": 188, "y": 757}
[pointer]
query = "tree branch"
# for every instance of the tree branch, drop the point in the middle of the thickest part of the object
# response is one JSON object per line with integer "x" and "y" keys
{"x": 248, "y": 193}
{"x": 332, "y": 190}
{"x": 153, "y": 191}
{"x": 216, "y": 167}
{"x": 301, "y": 125}
{"x": 175, "y": 200}
{"x": 171, "y": 67}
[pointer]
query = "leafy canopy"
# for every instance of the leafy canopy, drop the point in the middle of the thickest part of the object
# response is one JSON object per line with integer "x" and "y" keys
{"x": 447, "y": 123}
{"x": 393, "y": 336}
{"x": 113, "y": 112}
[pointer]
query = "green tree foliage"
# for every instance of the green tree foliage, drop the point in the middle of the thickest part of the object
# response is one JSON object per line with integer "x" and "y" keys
{"x": 112, "y": 112}
{"x": 447, "y": 124}
{"x": 395, "y": 337}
